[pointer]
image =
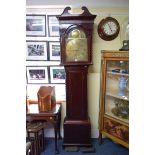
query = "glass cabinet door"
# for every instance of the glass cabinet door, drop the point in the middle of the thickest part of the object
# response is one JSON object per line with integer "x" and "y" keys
{"x": 117, "y": 89}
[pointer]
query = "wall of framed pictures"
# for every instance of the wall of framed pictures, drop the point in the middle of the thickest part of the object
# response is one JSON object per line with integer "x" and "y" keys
{"x": 43, "y": 52}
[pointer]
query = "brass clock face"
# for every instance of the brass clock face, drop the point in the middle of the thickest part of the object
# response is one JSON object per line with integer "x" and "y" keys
{"x": 76, "y": 46}
{"x": 108, "y": 28}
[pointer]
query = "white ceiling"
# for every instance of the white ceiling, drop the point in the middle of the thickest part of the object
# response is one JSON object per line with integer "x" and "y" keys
{"x": 89, "y": 3}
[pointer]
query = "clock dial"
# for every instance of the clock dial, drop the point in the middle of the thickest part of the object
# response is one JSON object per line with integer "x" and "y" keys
{"x": 110, "y": 28}
{"x": 76, "y": 46}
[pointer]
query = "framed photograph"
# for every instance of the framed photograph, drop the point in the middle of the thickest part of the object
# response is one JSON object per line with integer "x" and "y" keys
{"x": 36, "y": 50}
{"x": 35, "y": 25}
{"x": 57, "y": 74}
{"x": 37, "y": 74}
{"x": 54, "y": 50}
{"x": 53, "y": 26}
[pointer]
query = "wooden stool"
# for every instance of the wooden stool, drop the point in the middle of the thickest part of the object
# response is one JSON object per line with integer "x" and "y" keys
{"x": 35, "y": 134}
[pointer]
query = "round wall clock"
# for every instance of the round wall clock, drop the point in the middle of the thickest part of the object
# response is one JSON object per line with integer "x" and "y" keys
{"x": 108, "y": 28}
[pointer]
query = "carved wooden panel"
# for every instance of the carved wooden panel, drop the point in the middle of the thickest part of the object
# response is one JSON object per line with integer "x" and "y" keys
{"x": 116, "y": 129}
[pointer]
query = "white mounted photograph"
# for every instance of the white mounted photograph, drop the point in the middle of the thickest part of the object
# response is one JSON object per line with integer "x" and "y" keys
{"x": 54, "y": 50}
{"x": 53, "y": 26}
{"x": 37, "y": 74}
{"x": 36, "y": 50}
{"x": 57, "y": 74}
{"x": 35, "y": 25}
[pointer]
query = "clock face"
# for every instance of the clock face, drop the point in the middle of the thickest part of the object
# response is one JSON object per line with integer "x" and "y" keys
{"x": 108, "y": 28}
{"x": 76, "y": 46}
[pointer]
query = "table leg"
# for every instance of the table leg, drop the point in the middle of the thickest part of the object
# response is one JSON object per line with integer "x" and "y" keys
{"x": 55, "y": 131}
{"x": 59, "y": 124}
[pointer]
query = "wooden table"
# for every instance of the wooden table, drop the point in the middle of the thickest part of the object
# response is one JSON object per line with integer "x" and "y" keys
{"x": 53, "y": 117}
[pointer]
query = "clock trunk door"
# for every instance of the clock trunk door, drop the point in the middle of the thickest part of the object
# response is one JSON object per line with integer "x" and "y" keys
{"x": 76, "y": 92}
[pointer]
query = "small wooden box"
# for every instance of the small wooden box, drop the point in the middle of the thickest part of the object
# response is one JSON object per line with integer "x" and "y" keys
{"x": 46, "y": 98}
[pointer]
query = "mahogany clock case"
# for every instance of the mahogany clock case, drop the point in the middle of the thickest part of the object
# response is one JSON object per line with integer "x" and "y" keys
{"x": 77, "y": 126}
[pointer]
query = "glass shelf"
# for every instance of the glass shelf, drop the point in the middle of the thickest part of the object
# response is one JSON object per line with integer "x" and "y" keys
{"x": 115, "y": 94}
{"x": 119, "y": 74}
{"x": 117, "y": 108}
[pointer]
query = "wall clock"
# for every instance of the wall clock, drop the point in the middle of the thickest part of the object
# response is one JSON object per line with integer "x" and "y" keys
{"x": 108, "y": 28}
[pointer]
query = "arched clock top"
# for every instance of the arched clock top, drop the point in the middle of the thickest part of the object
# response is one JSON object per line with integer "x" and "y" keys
{"x": 76, "y": 33}
{"x": 77, "y": 28}
{"x": 64, "y": 30}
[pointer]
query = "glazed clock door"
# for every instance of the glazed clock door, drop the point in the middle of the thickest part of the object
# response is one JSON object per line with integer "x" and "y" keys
{"x": 76, "y": 46}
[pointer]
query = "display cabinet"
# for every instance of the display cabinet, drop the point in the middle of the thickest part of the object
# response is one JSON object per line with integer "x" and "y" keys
{"x": 114, "y": 97}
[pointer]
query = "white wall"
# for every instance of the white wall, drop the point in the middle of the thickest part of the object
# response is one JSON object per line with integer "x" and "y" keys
{"x": 89, "y": 3}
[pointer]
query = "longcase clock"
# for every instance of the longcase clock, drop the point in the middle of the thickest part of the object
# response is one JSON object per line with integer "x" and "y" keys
{"x": 76, "y": 56}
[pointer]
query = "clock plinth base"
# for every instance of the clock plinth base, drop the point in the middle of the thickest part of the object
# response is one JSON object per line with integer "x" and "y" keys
{"x": 77, "y": 133}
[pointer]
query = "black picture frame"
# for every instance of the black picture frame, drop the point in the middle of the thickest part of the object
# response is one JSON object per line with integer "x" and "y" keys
{"x": 36, "y": 50}
{"x": 54, "y": 50}
{"x": 53, "y": 26}
{"x": 57, "y": 74}
{"x": 35, "y": 25}
{"x": 37, "y": 74}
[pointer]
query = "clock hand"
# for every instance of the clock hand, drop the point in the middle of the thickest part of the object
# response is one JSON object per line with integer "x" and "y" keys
{"x": 110, "y": 28}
